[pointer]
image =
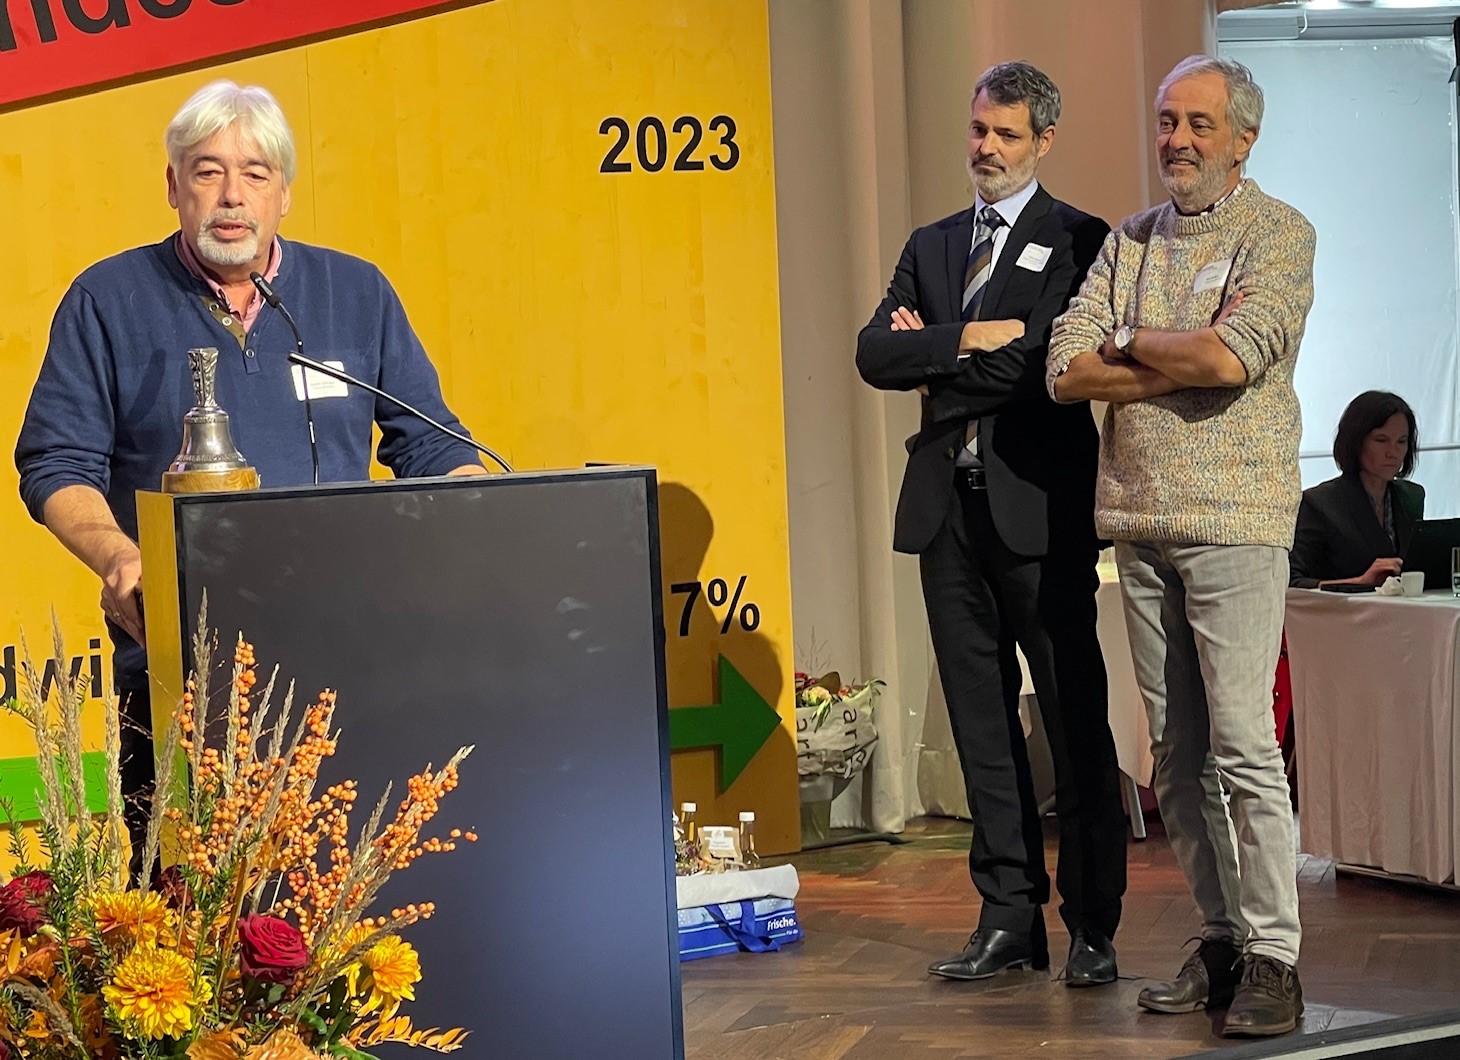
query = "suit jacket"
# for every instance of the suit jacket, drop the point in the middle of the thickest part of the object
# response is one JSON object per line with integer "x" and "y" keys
{"x": 1040, "y": 457}
{"x": 1338, "y": 535}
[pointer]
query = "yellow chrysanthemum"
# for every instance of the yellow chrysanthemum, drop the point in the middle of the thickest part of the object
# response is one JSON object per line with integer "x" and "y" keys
{"x": 154, "y": 989}
{"x": 394, "y": 969}
{"x": 140, "y": 916}
{"x": 354, "y": 937}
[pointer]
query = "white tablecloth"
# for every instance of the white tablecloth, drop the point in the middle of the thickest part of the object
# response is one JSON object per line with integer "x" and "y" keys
{"x": 940, "y": 779}
{"x": 1375, "y": 681}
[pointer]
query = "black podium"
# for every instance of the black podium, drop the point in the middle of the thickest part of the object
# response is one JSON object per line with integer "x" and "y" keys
{"x": 519, "y": 613}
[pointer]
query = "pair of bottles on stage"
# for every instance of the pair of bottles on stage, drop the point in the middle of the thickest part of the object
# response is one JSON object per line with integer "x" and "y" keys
{"x": 735, "y": 845}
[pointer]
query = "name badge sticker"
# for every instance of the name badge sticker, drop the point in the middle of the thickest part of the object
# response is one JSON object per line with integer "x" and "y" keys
{"x": 1034, "y": 257}
{"x": 1212, "y": 276}
{"x": 320, "y": 385}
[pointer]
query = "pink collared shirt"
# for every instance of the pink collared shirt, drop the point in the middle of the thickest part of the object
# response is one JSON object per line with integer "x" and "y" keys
{"x": 250, "y": 312}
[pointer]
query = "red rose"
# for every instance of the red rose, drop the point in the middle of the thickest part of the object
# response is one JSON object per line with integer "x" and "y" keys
{"x": 270, "y": 950}
{"x": 38, "y": 887}
{"x": 17, "y": 911}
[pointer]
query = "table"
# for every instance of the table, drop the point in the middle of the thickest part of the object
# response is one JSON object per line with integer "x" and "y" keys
{"x": 1375, "y": 681}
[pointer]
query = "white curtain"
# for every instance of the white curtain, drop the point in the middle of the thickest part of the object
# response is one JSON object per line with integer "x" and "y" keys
{"x": 1385, "y": 312}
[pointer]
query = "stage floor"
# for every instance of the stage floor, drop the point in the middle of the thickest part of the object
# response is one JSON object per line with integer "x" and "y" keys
{"x": 875, "y": 915}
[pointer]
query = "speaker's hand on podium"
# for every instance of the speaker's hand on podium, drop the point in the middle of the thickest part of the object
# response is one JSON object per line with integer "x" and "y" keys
{"x": 468, "y": 469}
{"x": 121, "y": 592}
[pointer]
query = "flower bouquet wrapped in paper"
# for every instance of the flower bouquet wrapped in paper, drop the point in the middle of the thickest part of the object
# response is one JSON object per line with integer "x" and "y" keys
{"x": 834, "y": 730}
{"x": 259, "y": 941}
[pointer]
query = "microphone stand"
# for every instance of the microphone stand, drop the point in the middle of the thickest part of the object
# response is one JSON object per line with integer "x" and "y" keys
{"x": 308, "y": 364}
{"x": 273, "y": 300}
{"x": 344, "y": 377}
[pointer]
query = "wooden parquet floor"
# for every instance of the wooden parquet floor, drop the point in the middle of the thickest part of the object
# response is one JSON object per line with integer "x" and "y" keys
{"x": 875, "y": 915}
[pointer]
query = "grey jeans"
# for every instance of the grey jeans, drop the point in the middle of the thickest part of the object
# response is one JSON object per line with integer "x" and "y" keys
{"x": 1205, "y": 625}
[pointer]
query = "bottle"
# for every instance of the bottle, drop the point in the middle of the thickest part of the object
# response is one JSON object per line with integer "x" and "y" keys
{"x": 689, "y": 831}
{"x": 748, "y": 856}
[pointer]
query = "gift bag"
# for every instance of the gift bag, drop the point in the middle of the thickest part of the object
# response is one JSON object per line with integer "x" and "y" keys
{"x": 728, "y": 912}
{"x": 836, "y": 738}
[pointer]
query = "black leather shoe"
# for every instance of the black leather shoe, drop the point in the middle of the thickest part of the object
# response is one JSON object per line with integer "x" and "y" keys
{"x": 992, "y": 950}
{"x": 1206, "y": 980}
{"x": 1269, "y": 999}
{"x": 1092, "y": 959}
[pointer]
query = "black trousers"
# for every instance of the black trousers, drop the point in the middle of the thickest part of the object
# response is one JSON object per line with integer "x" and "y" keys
{"x": 982, "y": 599}
{"x": 138, "y": 769}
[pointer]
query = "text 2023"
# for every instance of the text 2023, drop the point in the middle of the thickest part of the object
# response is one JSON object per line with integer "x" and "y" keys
{"x": 652, "y": 146}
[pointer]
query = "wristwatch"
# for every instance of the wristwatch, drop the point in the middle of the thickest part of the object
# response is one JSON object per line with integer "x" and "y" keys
{"x": 1122, "y": 338}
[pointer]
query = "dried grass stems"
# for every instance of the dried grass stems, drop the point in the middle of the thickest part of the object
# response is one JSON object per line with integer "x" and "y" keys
{"x": 66, "y": 826}
{"x": 54, "y": 1013}
{"x": 115, "y": 827}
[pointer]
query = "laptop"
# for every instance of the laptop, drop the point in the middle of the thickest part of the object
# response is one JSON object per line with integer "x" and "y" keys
{"x": 1430, "y": 550}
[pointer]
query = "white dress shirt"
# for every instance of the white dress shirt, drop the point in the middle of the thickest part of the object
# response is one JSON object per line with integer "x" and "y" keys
{"x": 1009, "y": 208}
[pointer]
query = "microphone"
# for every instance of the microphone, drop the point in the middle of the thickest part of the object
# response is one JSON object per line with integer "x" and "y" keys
{"x": 272, "y": 298}
{"x": 309, "y": 364}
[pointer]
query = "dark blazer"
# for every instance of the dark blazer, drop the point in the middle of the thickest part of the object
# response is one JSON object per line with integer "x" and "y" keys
{"x": 1040, "y": 457}
{"x": 1338, "y": 535}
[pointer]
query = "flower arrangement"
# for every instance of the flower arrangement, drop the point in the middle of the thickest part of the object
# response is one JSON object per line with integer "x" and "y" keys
{"x": 257, "y": 942}
{"x": 834, "y": 730}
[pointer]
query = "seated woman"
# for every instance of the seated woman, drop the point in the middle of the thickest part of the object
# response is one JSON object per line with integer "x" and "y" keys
{"x": 1352, "y": 529}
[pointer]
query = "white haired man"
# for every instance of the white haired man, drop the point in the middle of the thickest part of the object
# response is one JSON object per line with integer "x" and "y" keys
{"x": 105, "y": 416}
{"x": 1189, "y": 325}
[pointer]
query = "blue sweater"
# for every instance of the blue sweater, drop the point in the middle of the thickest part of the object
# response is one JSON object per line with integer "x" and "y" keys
{"x": 108, "y": 405}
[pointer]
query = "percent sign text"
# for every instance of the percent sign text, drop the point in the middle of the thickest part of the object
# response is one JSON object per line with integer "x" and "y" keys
{"x": 717, "y": 592}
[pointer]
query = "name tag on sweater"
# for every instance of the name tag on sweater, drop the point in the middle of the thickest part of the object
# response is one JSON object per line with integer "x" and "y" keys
{"x": 1034, "y": 257}
{"x": 1212, "y": 276}
{"x": 320, "y": 385}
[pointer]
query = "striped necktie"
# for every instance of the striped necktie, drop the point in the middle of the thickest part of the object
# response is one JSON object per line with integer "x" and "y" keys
{"x": 980, "y": 262}
{"x": 975, "y": 283}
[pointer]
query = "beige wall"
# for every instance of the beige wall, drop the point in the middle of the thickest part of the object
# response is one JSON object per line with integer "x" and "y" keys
{"x": 1108, "y": 57}
{"x": 870, "y": 103}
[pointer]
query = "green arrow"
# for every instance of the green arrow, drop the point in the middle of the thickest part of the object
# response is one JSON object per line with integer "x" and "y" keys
{"x": 20, "y": 779}
{"x": 739, "y": 724}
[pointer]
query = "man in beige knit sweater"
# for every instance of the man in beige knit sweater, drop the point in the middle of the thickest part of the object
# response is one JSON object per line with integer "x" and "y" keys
{"x": 1188, "y": 324}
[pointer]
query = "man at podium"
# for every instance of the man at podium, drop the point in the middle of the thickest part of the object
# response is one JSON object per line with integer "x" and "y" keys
{"x": 105, "y": 416}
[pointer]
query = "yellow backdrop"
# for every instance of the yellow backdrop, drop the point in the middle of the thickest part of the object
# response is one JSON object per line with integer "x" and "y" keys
{"x": 575, "y": 315}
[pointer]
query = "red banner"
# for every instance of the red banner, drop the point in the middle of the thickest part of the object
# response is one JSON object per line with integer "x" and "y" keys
{"x": 49, "y": 47}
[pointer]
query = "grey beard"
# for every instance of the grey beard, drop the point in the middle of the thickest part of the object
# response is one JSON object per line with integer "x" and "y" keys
{"x": 1200, "y": 193}
{"x": 219, "y": 253}
{"x": 1001, "y": 185}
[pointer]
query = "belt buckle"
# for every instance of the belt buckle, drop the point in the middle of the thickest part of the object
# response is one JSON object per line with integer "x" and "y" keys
{"x": 976, "y": 478}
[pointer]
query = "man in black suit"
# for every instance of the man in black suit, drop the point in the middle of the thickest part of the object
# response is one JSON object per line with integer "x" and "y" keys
{"x": 998, "y": 501}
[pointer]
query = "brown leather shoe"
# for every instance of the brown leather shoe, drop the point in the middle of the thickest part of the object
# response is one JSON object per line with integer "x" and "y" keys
{"x": 1269, "y": 999}
{"x": 1206, "y": 980}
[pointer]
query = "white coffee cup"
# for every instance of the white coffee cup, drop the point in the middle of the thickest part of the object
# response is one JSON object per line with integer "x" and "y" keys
{"x": 1412, "y": 582}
